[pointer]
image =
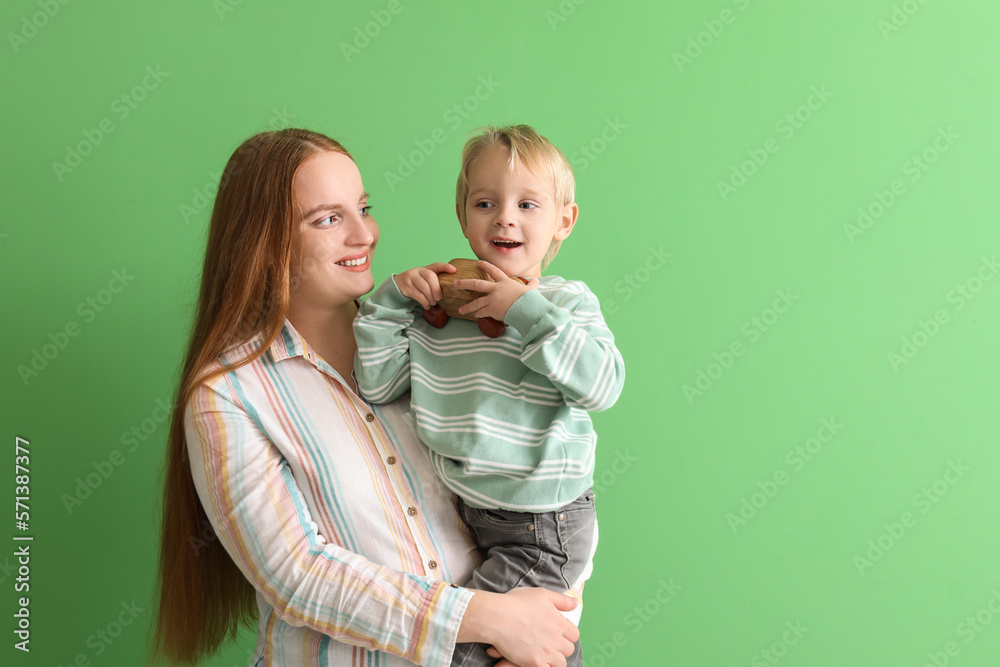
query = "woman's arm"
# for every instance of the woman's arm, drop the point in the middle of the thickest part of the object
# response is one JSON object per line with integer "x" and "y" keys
{"x": 524, "y": 624}
{"x": 261, "y": 518}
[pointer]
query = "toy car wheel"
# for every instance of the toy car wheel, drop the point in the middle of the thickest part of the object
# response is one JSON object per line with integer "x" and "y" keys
{"x": 491, "y": 327}
{"x": 436, "y": 316}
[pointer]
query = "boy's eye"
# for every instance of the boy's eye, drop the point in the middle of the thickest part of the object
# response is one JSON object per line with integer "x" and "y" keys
{"x": 366, "y": 210}
{"x": 483, "y": 204}
{"x": 528, "y": 205}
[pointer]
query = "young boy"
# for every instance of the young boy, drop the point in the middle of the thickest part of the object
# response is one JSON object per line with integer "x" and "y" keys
{"x": 505, "y": 418}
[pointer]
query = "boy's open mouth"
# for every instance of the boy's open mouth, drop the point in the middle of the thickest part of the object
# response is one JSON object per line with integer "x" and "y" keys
{"x": 507, "y": 244}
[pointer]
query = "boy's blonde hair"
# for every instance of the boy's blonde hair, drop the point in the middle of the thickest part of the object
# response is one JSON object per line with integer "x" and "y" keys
{"x": 525, "y": 147}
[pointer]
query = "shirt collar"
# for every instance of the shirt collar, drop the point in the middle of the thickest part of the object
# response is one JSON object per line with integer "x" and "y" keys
{"x": 288, "y": 344}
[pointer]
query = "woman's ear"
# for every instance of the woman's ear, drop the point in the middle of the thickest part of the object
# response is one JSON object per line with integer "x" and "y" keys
{"x": 566, "y": 221}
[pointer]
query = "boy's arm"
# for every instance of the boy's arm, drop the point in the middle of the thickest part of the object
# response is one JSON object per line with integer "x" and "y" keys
{"x": 572, "y": 346}
{"x": 382, "y": 362}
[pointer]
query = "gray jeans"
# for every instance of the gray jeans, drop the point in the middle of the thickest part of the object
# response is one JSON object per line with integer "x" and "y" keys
{"x": 550, "y": 550}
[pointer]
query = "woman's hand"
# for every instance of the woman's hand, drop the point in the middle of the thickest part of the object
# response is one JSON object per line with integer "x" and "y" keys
{"x": 421, "y": 283}
{"x": 524, "y": 624}
{"x": 497, "y": 297}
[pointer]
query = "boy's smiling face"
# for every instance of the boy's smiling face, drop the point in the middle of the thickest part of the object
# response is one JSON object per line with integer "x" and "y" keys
{"x": 512, "y": 216}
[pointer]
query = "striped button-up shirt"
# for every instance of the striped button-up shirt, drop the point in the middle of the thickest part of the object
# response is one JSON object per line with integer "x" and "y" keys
{"x": 331, "y": 509}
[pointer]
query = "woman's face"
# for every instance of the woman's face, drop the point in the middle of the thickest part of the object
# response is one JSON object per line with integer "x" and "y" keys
{"x": 333, "y": 234}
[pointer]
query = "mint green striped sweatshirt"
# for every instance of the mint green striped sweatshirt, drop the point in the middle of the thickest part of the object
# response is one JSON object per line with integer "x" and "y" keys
{"x": 506, "y": 419}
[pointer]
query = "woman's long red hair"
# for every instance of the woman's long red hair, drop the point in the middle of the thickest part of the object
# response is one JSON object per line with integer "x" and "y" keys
{"x": 202, "y": 597}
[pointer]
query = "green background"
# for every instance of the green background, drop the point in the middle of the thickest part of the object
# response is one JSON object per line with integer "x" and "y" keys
{"x": 656, "y": 104}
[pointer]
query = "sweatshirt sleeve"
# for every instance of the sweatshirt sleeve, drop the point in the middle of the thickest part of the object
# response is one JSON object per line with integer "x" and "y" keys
{"x": 261, "y": 518}
{"x": 570, "y": 345}
{"x": 382, "y": 362}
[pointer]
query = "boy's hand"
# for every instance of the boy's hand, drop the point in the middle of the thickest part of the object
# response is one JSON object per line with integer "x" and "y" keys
{"x": 498, "y": 296}
{"x": 421, "y": 283}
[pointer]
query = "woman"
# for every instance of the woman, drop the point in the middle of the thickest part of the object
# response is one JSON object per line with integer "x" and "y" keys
{"x": 284, "y": 490}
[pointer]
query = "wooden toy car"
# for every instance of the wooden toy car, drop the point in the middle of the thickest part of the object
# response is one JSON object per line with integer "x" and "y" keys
{"x": 452, "y": 299}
